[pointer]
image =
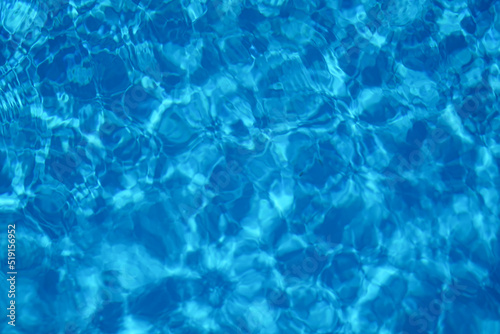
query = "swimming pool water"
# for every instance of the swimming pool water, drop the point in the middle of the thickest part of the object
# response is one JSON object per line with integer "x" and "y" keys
{"x": 251, "y": 166}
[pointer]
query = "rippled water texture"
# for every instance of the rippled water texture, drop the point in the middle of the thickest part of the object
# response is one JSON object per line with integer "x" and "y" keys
{"x": 259, "y": 166}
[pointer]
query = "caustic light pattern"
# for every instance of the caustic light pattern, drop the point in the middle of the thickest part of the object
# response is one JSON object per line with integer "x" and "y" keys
{"x": 246, "y": 166}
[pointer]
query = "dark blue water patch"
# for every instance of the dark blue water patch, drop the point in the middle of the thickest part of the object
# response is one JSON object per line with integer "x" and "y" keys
{"x": 47, "y": 90}
{"x": 316, "y": 174}
{"x": 63, "y": 136}
{"x": 48, "y": 284}
{"x": 297, "y": 229}
{"x": 417, "y": 134}
{"x": 248, "y": 246}
{"x": 92, "y": 24}
{"x": 304, "y": 205}
{"x": 369, "y": 147}
{"x": 459, "y": 311}
{"x": 90, "y": 27}
{"x": 387, "y": 227}
{"x": 232, "y": 228}
{"x": 317, "y": 170}
{"x": 177, "y": 182}
{"x": 204, "y": 25}
{"x": 82, "y": 91}
{"x": 418, "y": 324}
{"x": 4, "y": 35}
{"x": 112, "y": 16}
{"x": 354, "y": 88}
{"x": 484, "y": 21}
{"x": 168, "y": 26}
{"x": 111, "y": 72}
{"x": 33, "y": 171}
{"x": 3, "y": 55}
{"x": 325, "y": 19}
{"x": 277, "y": 298}
{"x": 395, "y": 288}
{"x": 345, "y": 265}
{"x": 109, "y": 318}
{"x": 474, "y": 109}
{"x": 225, "y": 197}
{"x": 215, "y": 288}
{"x": 101, "y": 213}
{"x": 48, "y": 222}
{"x": 348, "y": 4}
{"x": 371, "y": 76}
{"x": 259, "y": 46}
{"x": 383, "y": 309}
{"x": 383, "y": 60}
{"x": 453, "y": 172}
{"x": 420, "y": 58}
{"x": 162, "y": 163}
{"x": 209, "y": 224}
{"x": 249, "y": 18}
{"x": 111, "y": 179}
{"x": 482, "y": 255}
{"x": 276, "y": 234}
{"x": 273, "y": 76}
{"x": 59, "y": 169}
{"x": 240, "y": 130}
{"x": 241, "y": 207}
{"x": 78, "y": 55}
{"x": 477, "y": 6}
{"x": 417, "y": 33}
{"x": 57, "y": 43}
{"x": 153, "y": 243}
{"x": 210, "y": 60}
{"x": 194, "y": 259}
{"x": 57, "y": 69}
{"x": 331, "y": 157}
{"x": 155, "y": 300}
{"x": 71, "y": 159}
{"x": 171, "y": 80}
{"x": 449, "y": 149}
{"x": 453, "y": 43}
{"x": 406, "y": 193}
{"x": 468, "y": 24}
{"x": 312, "y": 58}
{"x": 333, "y": 225}
{"x": 139, "y": 103}
{"x": 347, "y": 290}
{"x": 223, "y": 178}
{"x": 287, "y": 12}
{"x": 364, "y": 239}
{"x": 5, "y": 182}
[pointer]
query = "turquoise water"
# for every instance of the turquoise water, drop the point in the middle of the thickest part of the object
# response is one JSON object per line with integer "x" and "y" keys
{"x": 227, "y": 166}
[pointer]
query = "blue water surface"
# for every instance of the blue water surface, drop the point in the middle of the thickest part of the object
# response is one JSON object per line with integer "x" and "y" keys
{"x": 251, "y": 166}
